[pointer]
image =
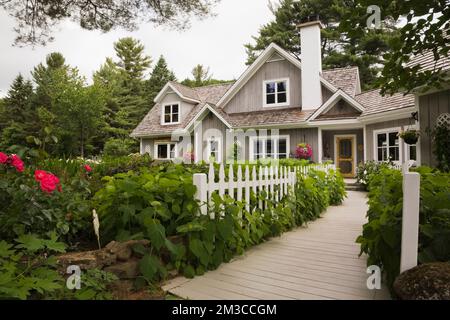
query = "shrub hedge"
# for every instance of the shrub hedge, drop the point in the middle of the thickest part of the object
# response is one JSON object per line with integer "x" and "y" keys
{"x": 381, "y": 236}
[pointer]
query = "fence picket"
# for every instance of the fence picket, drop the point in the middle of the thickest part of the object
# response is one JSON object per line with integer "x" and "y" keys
{"x": 247, "y": 189}
{"x": 275, "y": 181}
{"x": 231, "y": 182}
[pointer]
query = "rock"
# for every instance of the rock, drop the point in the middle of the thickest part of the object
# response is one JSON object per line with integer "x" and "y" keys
{"x": 85, "y": 260}
{"x": 105, "y": 258}
{"x": 429, "y": 281}
{"x": 125, "y": 270}
{"x": 124, "y": 250}
{"x": 121, "y": 250}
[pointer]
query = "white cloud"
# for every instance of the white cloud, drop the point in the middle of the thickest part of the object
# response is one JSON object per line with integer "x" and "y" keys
{"x": 215, "y": 42}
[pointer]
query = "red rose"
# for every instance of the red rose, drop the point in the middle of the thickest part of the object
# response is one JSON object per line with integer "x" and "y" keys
{"x": 17, "y": 163}
{"x": 48, "y": 181}
{"x": 87, "y": 168}
{"x": 39, "y": 175}
{"x": 3, "y": 157}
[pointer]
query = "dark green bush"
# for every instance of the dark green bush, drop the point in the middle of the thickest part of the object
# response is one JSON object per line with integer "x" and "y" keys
{"x": 158, "y": 204}
{"x": 381, "y": 237}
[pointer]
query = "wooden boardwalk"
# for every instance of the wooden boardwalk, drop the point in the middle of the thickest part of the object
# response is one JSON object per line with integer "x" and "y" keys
{"x": 319, "y": 261}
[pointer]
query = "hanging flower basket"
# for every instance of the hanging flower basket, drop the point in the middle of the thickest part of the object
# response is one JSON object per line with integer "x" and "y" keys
{"x": 410, "y": 136}
{"x": 303, "y": 151}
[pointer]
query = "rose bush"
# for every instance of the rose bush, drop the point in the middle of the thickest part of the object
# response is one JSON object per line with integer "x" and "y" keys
{"x": 303, "y": 151}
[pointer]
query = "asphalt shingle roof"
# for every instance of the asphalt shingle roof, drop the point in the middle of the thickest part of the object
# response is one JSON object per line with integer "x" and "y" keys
{"x": 343, "y": 78}
{"x": 374, "y": 102}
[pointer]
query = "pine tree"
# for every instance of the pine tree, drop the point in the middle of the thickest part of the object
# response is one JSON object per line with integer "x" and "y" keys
{"x": 17, "y": 120}
{"x": 160, "y": 76}
{"x": 338, "y": 49}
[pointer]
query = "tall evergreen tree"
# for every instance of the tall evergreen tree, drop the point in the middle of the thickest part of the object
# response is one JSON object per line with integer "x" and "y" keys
{"x": 18, "y": 117}
{"x": 338, "y": 49}
{"x": 158, "y": 79}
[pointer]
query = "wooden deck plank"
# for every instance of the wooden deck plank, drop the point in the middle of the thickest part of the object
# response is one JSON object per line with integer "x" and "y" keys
{"x": 317, "y": 261}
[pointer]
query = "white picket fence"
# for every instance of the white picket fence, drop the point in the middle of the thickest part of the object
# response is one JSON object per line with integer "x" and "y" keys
{"x": 275, "y": 181}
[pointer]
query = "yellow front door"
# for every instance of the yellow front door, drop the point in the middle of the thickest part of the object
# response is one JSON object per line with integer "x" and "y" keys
{"x": 345, "y": 156}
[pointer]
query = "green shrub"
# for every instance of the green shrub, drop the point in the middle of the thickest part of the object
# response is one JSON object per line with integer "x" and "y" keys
{"x": 119, "y": 147}
{"x": 366, "y": 170}
{"x": 381, "y": 237}
{"x": 27, "y": 271}
{"x": 158, "y": 204}
{"x": 27, "y": 209}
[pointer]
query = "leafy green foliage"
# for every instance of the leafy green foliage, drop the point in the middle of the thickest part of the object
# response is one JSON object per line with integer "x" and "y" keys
{"x": 26, "y": 209}
{"x": 158, "y": 204}
{"x": 369, "y": 169}
{"x": 423, "y": 31}
{"x": 441, "y": 139}
{"x": 26, "y": 270}
{"x": 381, "y": 237}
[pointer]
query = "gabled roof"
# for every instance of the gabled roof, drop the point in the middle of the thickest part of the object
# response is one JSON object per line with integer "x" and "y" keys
{"x": 151, "y": 124}
{"x": 184, "y": 92}
{"x": 346, "y": 79}
{"x": 375, "y": 103}
{"x": 251, "y": 70}
{"x": 338, "y": 95}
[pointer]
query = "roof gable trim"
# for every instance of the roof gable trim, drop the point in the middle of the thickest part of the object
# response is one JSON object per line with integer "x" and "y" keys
{"x": 331, "y": 102}
{"x": 165, "y": 89}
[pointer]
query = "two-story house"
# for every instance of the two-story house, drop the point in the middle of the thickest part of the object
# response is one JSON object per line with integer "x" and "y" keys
{"x": 293, "y": 97}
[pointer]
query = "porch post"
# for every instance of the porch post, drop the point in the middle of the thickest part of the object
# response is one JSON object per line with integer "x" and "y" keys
{"x": 198, "y": 145}
{"x": 320, "y": 151}
{"x": 365, "y": 143}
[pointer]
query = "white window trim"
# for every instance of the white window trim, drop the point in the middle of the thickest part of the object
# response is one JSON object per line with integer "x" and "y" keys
{"x": 168, "y": 143}
{"x": 275, "y": 138}
{"x": 354, "y": 149}
{"x": 288, "y": 93}
{"x": 219, "y": 146}
{"x": 163, "y": 112}
{"x": 387, "y": 131}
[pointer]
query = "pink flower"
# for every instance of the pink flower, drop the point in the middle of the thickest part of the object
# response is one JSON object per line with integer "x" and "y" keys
{"x": 304, "y": 151}
{"x": 48, "y": 181}
{"x": 87, "y": 168}
{"x": 39, "y": 175}
{"x": 17, "y": 163}
{"x": 3, "y": 157}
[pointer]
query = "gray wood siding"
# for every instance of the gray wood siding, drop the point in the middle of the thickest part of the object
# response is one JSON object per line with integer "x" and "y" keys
{"x": 308, "y": 135}
{"x": 250, "y": 97}
{"x": 147, "y": 147}
{"x": 328, "y": 143}
{"x": 430, "y": 107}
{"x": 326, "y": 93}
{"x": 370, "y": 128}
{"x": 213, "y": 126}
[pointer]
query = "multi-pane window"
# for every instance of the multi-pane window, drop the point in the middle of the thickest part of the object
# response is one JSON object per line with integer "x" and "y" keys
{"x": 165, "y": 151}
{"x": 267, "y": 147}
{"x": 214, "y": 153}
{"x": 171, "y": 113}
{"x": 387, "y": 146}
{"x": 275, "y": 93}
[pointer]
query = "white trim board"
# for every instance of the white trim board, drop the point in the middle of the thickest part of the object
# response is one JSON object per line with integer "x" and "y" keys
{"x": 163, "y": 112}
{"x": 168, "y": 86}
{"x": 288, "y": 93}
{"x": 155, "y": 149}
{"x": 275, "y": 145}
{"x": 331, "y": 102}
{"x": 387, "y": 131}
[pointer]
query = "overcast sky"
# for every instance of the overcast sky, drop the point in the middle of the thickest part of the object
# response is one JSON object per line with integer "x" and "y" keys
{"x": 215, "y": 42}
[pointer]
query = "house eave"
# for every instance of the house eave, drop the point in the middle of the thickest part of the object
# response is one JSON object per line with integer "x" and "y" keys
{"x": 388, "y": 115}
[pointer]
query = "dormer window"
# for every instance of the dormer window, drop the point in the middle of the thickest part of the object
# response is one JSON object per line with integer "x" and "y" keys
{"x": 171, "y": 113}
{"x": 276, "y": 93}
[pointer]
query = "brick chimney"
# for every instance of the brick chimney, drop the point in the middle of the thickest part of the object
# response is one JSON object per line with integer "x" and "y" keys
{"x": 311, "y": 60}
